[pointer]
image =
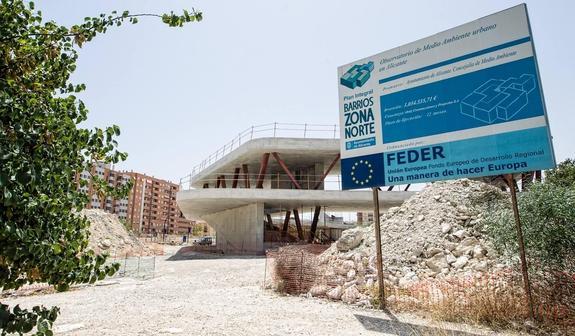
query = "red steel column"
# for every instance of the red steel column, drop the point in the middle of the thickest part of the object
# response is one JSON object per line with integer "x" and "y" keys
{"x": 236, "y": 178}
{"x": 263, "y": 168}
{"x": 286, "y": 221}
{"x": 246, "y": 176}
{"x": 298, "y": 224}
{"x": 286, "y": 170}
{"x": 270, "y": 221}
{"x": 314, "y": 224}
{"x": 327, "y": 171}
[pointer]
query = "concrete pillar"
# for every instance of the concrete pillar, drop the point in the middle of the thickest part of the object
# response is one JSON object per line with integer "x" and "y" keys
{"x": 239, "y": 230}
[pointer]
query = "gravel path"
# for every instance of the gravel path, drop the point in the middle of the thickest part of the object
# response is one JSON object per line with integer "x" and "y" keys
{"x": 220, "y": 296}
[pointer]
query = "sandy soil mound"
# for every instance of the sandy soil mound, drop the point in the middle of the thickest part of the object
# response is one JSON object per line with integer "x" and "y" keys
{"x": 108, "y": 234}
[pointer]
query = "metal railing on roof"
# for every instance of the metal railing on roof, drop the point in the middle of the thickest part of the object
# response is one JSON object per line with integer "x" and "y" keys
{"x": 271, "y": 130}
{"x": 273, "y": 181}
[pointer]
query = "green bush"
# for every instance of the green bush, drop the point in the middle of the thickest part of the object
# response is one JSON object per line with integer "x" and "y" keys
{"x": 563, "y": 175}
{"x": 547, "y": 214}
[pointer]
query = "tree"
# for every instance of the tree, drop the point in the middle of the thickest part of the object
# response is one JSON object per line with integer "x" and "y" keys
{"x": 563, "y": 175}
{"x": 42, "y": 151}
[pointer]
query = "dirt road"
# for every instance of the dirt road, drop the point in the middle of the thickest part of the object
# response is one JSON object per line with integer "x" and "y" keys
{"x": 220, "y": 296}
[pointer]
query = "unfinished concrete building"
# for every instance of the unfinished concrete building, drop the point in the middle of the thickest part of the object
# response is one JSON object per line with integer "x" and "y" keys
{"x": 256, "y": 192}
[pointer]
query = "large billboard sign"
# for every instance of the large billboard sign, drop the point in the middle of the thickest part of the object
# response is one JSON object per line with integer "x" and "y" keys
{"x": 466, "y": 102}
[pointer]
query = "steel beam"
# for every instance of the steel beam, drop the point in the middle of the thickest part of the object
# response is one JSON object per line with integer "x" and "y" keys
{"x": 390, "y": 188}
{"x": 218, "y": 182}
{"x": 298, "y": 224}
{"x": 314, "y": 221}
{"x": 318, "y": 184}
{"x": 263, "y": 168}
{"x": 246, "y": 176}
{"x": 236, "y": 177}
{"x": 270, "y": 221}
{"x": 407, "y": 187}
{"x": 222, "y": 181}
{"x": 286, "y": 221}
{"x": 286, "y": 170}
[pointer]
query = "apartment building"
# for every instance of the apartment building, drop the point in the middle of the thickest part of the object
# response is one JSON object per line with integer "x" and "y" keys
{"x": 364, "y": 217}
{"x": 150, "y": 206}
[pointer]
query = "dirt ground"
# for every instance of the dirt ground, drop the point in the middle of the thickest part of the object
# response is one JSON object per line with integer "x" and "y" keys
{"x": 203, "y": 295}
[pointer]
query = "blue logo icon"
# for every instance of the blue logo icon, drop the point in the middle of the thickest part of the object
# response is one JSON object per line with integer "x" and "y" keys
{"x": 357, "y": 75}
{"x": 498, "y": 99}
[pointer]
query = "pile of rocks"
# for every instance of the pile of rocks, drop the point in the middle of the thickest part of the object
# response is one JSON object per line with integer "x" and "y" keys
{"x": 108, "y": 234}
{"x": 435, "y": 234}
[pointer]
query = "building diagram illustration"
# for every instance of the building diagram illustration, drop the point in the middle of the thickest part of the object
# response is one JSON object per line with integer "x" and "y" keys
{"x": 498, "y": 99}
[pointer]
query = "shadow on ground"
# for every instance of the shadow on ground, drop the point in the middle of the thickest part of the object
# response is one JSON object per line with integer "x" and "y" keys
{"x": 186, "y": 254}
{"x": 395, "y": 327}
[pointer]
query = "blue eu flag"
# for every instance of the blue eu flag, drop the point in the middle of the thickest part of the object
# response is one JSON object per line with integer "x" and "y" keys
{"x": 362, "y": 172}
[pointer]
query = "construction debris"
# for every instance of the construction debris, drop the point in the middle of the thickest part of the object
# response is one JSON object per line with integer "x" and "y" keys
{"x": 435, "y": 234}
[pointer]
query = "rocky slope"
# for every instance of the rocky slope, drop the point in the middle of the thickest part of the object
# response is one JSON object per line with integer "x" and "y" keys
{"x": 433, "y": 235}
{"x": 108, "y": 234}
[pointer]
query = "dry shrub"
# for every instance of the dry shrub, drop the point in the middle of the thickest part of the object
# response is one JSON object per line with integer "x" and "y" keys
{"x": 495, "y": 299}
{"x": 554, "y": 295}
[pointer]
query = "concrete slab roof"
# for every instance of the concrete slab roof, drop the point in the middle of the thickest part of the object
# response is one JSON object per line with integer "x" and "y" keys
{"x": 295, "y": 152}
{"x": 195, "y": 203}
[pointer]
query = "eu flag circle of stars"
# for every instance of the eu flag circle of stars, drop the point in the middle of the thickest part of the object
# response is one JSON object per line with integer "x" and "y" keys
{"x": 361, "y": 172}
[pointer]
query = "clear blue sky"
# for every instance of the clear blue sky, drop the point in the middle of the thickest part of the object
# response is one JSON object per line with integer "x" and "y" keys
{"x": 179, "y": 94}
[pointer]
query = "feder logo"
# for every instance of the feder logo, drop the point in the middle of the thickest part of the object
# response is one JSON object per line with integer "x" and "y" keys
{"x": 357, "y": 75}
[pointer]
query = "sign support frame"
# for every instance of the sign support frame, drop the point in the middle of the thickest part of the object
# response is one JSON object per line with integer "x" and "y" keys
{"x": 379, "y": 258}
{"x": 526, "y": 283}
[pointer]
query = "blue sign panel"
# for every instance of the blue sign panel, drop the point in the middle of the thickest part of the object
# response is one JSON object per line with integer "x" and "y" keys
{"x": 466, "y": 102}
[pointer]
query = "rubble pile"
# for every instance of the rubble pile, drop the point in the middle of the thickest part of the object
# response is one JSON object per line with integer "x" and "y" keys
{"x": 435, "y": 234}
{"x": 108, "y": 234}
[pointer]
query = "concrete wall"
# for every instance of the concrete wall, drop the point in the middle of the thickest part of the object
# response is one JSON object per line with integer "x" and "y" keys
{"x": 239, "y": 230}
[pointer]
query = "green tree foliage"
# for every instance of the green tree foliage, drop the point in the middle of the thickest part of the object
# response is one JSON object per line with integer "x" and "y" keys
{"x": 563, "y": 175}
{"x": 547, "y": 214}
{"x": 42, "y": 150}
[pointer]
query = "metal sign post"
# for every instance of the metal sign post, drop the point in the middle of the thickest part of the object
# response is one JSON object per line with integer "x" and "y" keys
{"x": 378, "y": 248}
{"x": 526, "y": 283}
